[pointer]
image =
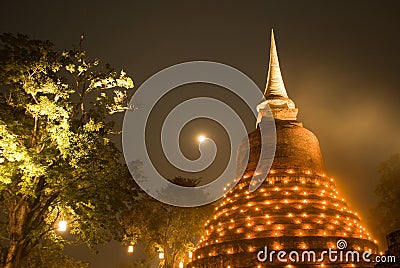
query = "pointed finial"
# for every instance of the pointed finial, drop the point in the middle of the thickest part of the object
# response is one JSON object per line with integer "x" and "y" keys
{"x": 275, "y": 86}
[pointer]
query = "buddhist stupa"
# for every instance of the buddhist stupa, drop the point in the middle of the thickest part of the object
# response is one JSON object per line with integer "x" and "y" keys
{"x": 297, "y": 207}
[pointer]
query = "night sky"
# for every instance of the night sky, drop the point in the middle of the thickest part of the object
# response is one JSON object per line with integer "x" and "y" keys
{"x": 340, "y": 62}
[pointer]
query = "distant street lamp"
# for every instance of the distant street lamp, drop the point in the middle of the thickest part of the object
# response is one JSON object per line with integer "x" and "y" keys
{"x": 62, "y": 226}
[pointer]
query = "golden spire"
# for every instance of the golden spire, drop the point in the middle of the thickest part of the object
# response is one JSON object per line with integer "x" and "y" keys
{"x": 275, "y": 86}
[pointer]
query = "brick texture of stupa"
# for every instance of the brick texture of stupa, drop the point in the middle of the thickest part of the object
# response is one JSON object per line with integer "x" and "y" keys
{"x": 297, "y": 207}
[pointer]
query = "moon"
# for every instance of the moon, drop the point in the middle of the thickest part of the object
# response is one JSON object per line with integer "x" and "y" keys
{"x": 201, "y": 138}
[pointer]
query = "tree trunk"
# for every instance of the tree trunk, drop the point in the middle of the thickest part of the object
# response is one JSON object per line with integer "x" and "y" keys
{"x": 14, "y": 255}
{"x": 18, "y": 216}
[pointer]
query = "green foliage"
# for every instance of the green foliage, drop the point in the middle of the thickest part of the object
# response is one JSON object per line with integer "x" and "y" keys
{"x": 386, "y": 214}
{"x": 169, "y": 229}
{"x": 56, "y": 158}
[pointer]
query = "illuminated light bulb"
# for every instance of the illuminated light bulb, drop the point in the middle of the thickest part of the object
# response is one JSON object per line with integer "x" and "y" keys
{"x": 297, "y": 221}
{"x": 238, "y": 231}
{"x": 308, "y": 172}
{"x": 267, "y": 202}
{"x": 216, "y": 241}
{"x": 241, "y": 211}
{"x": 62, "y": 226}
{"x": 299, "y": 206}
{"x": 290, "y": 215}
{"x": 324, "y": 233}
{"x": 304, "y": 214}
{"x": 256, "y": 209}
{"x": 275, "y": 234}
{"x": 296, "y": 188}
{"x": 276, "y": 189}
{"x": 130, "y": 249}
{"x": 276, "y": 207}
{"x": 272, "y": 171}
{"x": 268, "y": 222}
{"x": 286, "y": 201}
{"x": 286, "y": 193}
{"x": 181, "y": 264}
{"x": 161, "y": 255}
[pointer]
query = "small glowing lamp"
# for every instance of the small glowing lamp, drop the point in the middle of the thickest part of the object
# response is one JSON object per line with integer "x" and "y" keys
{"x": 181, "y": 264}
{"x": 62, "y": 226}
{"x": 201, "y": 138}
{"x": 130, "y": 249}
{"x": 161, "y": 255}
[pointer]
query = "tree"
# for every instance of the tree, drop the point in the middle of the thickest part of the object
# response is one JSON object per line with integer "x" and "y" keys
{"x": 386, "y": 214}
{"x": 174, "y": 231}
{"x": 56, "y": 158}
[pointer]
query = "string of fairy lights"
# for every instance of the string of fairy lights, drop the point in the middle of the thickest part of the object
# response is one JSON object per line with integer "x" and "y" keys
{"x": 289, "y": 203}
